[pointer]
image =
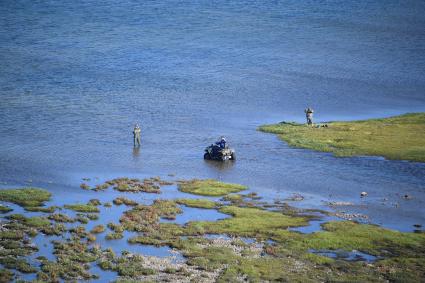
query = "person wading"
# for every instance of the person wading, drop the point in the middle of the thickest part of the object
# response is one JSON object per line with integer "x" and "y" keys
{"x": 309, "y": 115}
{"x": 136, "y": 135}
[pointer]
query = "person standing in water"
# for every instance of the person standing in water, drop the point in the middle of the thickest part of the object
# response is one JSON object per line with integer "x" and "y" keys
{"x": 309, "y": 115}
{"x": 136, "y": 135}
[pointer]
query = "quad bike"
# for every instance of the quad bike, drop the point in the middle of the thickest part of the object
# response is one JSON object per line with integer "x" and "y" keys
{"x": 215, "y": 152}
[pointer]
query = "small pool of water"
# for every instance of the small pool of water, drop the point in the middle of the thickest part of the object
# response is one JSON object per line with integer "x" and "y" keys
{"x": 196, "y": 214}
{"x": 353, "y": 255}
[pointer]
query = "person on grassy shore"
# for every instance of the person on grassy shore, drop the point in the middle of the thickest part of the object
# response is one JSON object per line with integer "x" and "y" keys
{"x": 309, "y": 115}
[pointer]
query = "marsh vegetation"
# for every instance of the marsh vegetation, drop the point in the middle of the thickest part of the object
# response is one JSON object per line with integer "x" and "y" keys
{"x": 401, "y": 137}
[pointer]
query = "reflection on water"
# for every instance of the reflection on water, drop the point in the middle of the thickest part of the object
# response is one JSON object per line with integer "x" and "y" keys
{"x": 136, "y": 152}
{"x": 219, "y": 165}
{"x": 353, "y": 255}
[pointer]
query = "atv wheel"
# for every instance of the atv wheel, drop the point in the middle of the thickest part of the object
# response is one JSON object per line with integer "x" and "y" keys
{"x": 233, "y": 156}
{"x": 207, "y": 156}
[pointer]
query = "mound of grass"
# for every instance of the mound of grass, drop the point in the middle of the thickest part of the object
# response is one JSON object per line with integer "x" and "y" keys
{"x": 5, "y": 209}
{"x": 209, "y": 187}
{"x": 49, "y": 209}
{"x": 123, "y": 200}
{"x": 370, "y": 239}
{"x": 26, "y": 197}
{"x": 36, "y": 221}
{"x": 71, "y": 264}
{"x": 401, "y": 137}
{"x": 199, "y": 203}
{"x": 250, "y": 222}
{"x": 98, "y": 229}
{"x": 82, "y": 207}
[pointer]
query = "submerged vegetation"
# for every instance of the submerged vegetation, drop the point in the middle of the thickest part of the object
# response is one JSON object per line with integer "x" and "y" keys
{"x": 401, "y": 137}
{"x": 253, "y": 244}
{"x": 209, "y": 187}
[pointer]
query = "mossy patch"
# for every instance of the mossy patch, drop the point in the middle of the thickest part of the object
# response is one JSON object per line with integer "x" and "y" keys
{"x": 399, "y": 137}
{"x": 36, "y": 221}
{"x": 250, "y": 222}
{"x": 27, "y": 197}
{"x": 209, "y": 187}
{"x": 5, "y": 209}
{"x": 82, "y": 207}
{"x": 199, "y": 203}
{"x": 49, "y": 209}
{"x": 370, "y": 239}
{"x": 72, "y": 262}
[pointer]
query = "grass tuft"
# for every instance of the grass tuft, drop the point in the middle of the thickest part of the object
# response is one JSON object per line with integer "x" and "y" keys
{"x": 209, "y": 187}
{"x": 27, "y": 197}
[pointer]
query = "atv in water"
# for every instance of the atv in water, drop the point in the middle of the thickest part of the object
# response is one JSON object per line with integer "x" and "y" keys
{"x": 216, "y": 152}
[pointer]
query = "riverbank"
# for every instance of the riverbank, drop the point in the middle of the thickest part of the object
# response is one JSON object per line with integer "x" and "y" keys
{"x": 399, "y": 138}
{"x": 252, "y": 240}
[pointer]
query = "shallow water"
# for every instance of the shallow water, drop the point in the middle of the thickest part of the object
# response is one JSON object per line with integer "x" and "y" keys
{"x": 77, "y": 75}
{"x": 354, "y": 255}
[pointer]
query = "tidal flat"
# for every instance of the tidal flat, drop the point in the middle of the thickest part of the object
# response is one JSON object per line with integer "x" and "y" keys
{"x": 400, "y": 137}
{"x": 256, "y": 241}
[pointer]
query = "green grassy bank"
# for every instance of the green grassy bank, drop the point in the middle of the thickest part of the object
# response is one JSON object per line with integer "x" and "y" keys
{"x": 401, "y": 137}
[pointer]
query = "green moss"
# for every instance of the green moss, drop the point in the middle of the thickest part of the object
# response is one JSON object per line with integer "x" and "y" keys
{"x": 26, "y": 196}
{"x": 36, "y": 222}
{"x": 200, "y": 203}
{"x": 400, "y": 137}
{"x": 5, "y": 209}
{"x": 209, "y": 187}
{"x": 251, "y": 222}
{"x": 82, "y": 207}
{"x": 370, "y": 239}
{"x": 49, "y": 209}
{"x": 11, "y": 235}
